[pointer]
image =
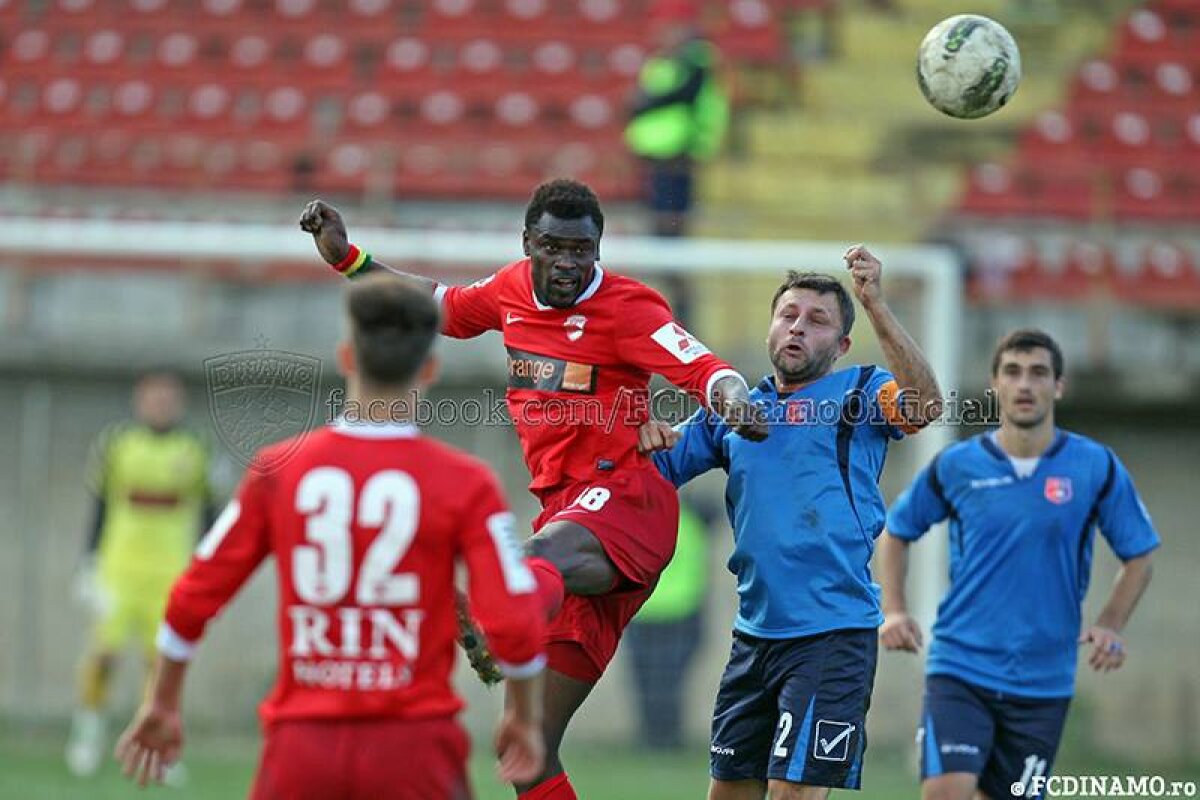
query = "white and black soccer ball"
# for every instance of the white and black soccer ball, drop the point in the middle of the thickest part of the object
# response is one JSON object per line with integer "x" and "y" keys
{"x": 968, "y": 66}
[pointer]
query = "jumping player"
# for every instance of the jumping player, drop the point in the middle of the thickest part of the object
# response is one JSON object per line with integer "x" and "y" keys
{"x": 790, "y": 716}
{"x": 366, "y": 521}
{"x": 582, "y": 343}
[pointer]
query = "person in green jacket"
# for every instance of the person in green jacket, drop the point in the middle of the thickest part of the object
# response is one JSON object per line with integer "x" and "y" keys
{"x": 678, "y": 117}
{"x": 679, "y": 113}
{"x": 665, "y": 636}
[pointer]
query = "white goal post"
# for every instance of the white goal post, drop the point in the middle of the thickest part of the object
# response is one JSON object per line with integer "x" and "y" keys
{"x": 936, "y": 270}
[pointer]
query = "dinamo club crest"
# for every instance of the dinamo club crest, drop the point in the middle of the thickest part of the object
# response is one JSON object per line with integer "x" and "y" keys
{"x": 259, "y": 397}
{"x": 1058, "y": 490}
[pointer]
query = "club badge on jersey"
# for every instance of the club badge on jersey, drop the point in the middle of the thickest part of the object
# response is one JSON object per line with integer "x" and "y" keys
{"x": 1058, "y": 490}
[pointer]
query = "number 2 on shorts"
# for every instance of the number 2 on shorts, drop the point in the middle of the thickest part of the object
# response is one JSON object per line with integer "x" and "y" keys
{"x": 785, "y": 727}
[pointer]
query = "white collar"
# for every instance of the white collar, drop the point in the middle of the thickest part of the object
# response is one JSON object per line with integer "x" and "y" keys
{"x": 362, "y": 429}
{"x": 592, "y": 288}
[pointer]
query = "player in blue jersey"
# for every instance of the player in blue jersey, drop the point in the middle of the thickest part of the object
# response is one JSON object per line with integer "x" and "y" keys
{"x": 806, "y": 509}
{"x": 1023, "y": 503}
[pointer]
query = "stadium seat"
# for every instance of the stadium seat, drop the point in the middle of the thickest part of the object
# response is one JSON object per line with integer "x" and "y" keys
{"x": 1165, "y": 278}
{"x": 751, "y": 34}
{"x": 1085, "y": 268}
{"x": 1097, "y": 86}
{"x": 993, "y": 189}
{"x": 1052, "y": 140}
{"x": 1008, "y": 268}
{"x": 1146, "y": 193}
{"x": 1066, "y": 193}
{"x": 1126, "y": 138}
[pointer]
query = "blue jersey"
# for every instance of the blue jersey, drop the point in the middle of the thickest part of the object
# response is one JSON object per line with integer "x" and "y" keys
{"x": 1020, "y": 556}
{"x": 805, "y": 504}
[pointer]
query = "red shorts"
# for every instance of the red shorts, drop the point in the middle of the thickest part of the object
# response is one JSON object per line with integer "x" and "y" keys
{"x": 366, "y": 758}
{"x": 635, "y": 515}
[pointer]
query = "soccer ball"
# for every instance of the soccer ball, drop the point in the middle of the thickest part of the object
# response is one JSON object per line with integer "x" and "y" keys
{"x": 968, "y": 66}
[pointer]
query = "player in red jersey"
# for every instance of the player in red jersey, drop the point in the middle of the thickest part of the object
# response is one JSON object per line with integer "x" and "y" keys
{"x": 366, "y": 520}
{"x": 582, "y": 343}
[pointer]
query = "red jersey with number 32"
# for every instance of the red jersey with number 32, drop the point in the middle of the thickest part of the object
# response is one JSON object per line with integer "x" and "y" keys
{"x": 366, "y": 523}
{"x": 578, "y": 377}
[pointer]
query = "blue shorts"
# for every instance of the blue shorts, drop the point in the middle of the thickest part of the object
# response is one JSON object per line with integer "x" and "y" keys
{"x": 795, "y": 709}
{"x": 1002, "y": 738}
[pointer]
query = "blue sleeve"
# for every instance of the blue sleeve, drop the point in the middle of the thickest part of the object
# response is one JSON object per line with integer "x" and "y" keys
{"x": 1124, "y": 521}
{"x": 922, "y": 505}
{"x": 698, "y": 450}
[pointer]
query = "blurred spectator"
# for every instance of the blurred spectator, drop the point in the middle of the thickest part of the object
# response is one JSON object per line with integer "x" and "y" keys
{"x": 151, "y": 495}
{"x": 665, "y": 636}
{"x": 678, "y": 117}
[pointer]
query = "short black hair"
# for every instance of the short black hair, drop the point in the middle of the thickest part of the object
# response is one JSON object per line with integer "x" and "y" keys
{"x": 820, "y": 283}
{"x": 1024, "y": 340}
{"x": 393, "y": 322}
{"x": 566, "y": 199}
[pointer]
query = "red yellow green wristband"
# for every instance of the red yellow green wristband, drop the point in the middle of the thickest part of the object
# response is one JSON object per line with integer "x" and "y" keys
{"x": 354, "y": 261}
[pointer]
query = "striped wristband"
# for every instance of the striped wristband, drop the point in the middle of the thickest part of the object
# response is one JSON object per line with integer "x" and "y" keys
{"x": 354, "y": 261}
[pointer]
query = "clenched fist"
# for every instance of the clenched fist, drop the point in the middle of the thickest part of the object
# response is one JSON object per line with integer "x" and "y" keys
{"x": 328, "y": 230}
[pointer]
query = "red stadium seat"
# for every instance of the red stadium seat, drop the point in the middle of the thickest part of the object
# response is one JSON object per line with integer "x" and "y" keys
{"x": 1097, "y": 85}
{"x": 365, "y": 17}
{"x": 751, "y": 34}
{"x": 407, "y": 64}
{"x": 1067, "y": 193}
{"x": 993, "y": 189}
{"x": 1126, "y": 139}
{"x": 1144, "y": 33}
{"x": 1052, "y": 140}
{"x": 1084, "y": 268}
{"x": 1166, "y": 277}
{"x": 527, "y": 12}
{"x": 29, "y": 51}
{"x": 326, "y": 62}
{"x": 1145, "y": 193}
{"x": 369, "y": 114}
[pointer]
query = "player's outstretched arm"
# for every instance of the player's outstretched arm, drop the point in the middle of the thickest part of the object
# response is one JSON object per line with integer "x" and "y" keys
{"x": 154, "y": 738}
{"x": 1108, "y": 645}
{"x": 328, "y": 230}
{"x": 904, "y": 358}
{"x": 899, "y": 630}
{"x": 520, "y": 746}
{"x": 731, "y": 401}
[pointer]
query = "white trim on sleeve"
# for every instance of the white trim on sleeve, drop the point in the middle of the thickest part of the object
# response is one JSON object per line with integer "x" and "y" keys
{"x": 172, "y": 645}
{"x": 439, "y": 292}
{"x": 527, "y": 670}
{"x": 724, "y": 372}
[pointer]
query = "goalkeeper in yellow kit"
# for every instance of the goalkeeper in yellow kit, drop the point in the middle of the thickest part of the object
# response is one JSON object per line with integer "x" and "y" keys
{"x": 149, "y": 481}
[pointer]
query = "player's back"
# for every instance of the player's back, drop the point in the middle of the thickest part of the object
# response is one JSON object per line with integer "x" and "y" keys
{"x": 367, "y": 523}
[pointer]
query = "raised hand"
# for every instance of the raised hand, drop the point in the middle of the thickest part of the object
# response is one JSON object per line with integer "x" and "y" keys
{"x": 328, "y": 230}
{"x": 867, "y": 272}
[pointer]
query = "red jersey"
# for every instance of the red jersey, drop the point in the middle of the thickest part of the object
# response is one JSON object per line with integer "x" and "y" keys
{"x": 366, "y": 523}
{"x": 578, "y": 377}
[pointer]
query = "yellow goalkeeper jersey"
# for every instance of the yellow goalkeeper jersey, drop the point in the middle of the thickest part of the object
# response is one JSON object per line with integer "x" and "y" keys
{"x": 154, "y": 486}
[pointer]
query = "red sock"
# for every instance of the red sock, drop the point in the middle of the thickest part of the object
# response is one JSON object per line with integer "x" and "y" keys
{"x": 550, "y": 589}
{"x": 556, "y": 788}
